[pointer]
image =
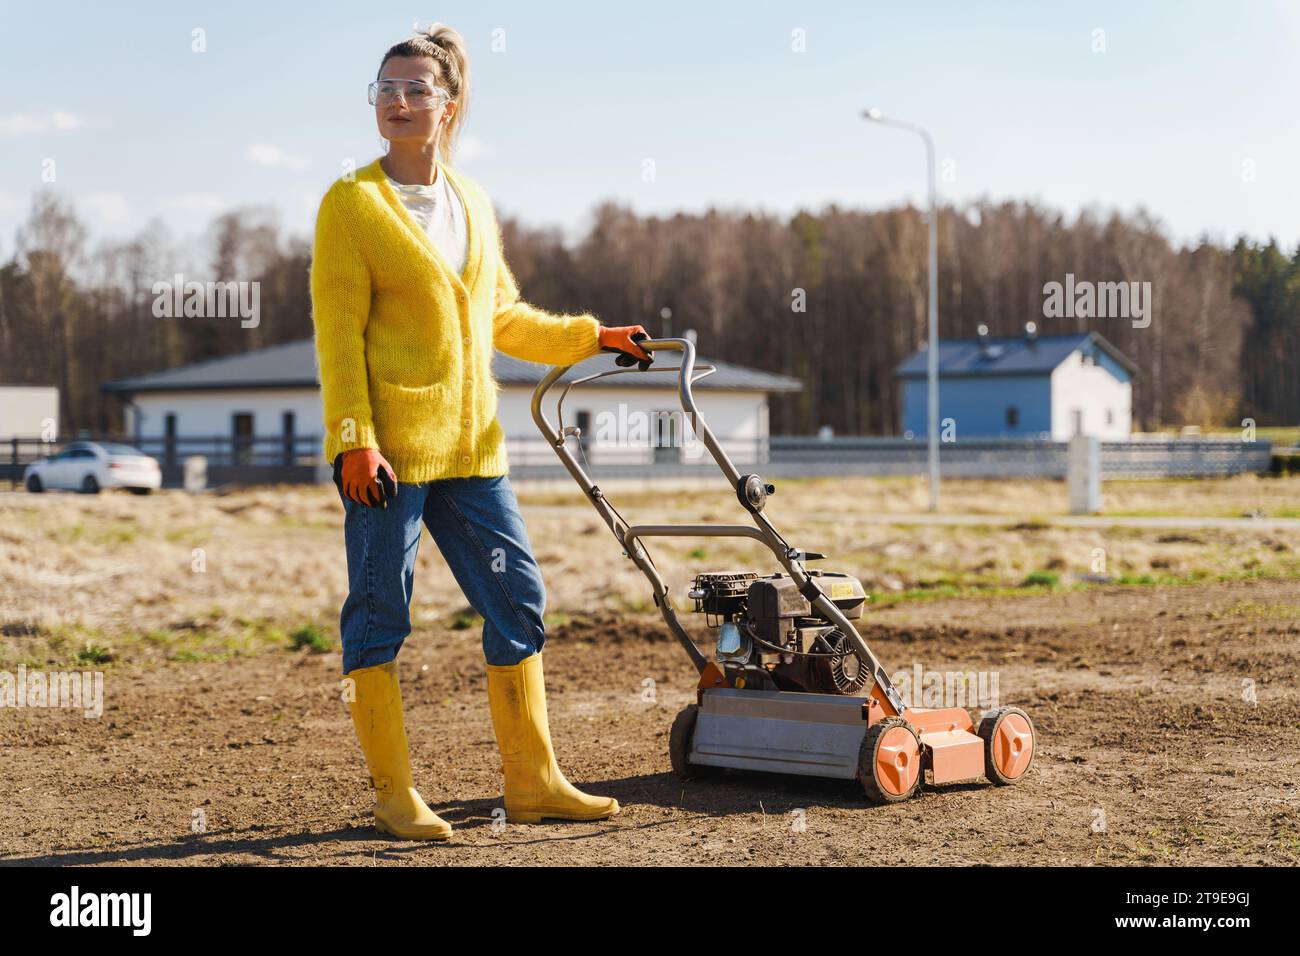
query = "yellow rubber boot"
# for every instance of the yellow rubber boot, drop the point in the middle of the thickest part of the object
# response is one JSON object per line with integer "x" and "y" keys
{"x": 535, "y": 787}
{"x": 377, "y": 715}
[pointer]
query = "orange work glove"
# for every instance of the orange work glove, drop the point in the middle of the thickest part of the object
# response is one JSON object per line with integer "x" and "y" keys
{"x": 623, "y": 339}
{"x": 366, "y": 477}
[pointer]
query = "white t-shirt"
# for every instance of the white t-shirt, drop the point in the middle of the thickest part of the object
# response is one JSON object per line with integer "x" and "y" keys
{"x": 439, "y": 211}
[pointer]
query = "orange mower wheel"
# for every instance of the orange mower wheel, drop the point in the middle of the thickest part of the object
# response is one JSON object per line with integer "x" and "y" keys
{"x": 889, "y": 761}
{"x": 1009, "y": 739}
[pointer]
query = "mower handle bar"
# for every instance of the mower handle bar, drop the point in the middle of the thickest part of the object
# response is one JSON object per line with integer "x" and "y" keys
{"x": 629, "y": 536}
{"x": 686, "y": 375}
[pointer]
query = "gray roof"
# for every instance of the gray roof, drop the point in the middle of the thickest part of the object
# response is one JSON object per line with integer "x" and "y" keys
{"x": 293, "y": 365}
{"x": 1008, "y": 356}
{"x": 512, "y": 371}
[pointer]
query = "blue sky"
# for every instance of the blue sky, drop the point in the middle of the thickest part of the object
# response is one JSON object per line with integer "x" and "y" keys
{"x": 1185, "y": 96}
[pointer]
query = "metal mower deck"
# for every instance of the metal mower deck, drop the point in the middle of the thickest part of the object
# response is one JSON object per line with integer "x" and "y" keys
{"x": 820, "y": 735}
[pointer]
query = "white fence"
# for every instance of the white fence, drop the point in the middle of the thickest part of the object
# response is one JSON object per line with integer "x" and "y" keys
{"x": 789, "y": 456}
{"x": 274, "y": 459}
{"x": 1137, "y": 458}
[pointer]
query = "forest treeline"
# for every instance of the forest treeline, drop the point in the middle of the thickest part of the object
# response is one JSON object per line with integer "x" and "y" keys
{"x": 834, "y": 298}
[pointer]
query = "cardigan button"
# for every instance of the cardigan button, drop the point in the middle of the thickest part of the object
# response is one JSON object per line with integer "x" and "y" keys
{"x": 464, "y": 459}
{"x": 467, "y": 340}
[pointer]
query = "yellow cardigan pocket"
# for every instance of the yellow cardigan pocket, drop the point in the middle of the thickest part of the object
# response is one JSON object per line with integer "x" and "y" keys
{"x": 411, "y": 419}
{"x": 405, "y": 394}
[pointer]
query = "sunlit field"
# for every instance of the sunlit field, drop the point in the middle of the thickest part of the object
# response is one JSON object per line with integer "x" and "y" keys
{"x": 201, "y": 577}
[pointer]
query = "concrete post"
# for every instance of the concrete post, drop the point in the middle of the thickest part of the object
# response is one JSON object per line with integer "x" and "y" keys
{"x": 1085, "y": 474}
{"x": 196, "y": 473}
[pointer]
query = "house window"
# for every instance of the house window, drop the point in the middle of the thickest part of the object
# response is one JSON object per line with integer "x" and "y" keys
{"x": 584, "y": 426}
{"x": 1110, "y": 416}
{"x": 287, "y": 431}
{"x": 241, "y": 438}
{"x": 665, "y": 436}
{"x": 1013, "y": 416}
{"x": 169, "y": 436}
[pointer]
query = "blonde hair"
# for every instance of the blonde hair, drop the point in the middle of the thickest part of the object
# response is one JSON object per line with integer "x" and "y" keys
{"x": 446, "y": 48}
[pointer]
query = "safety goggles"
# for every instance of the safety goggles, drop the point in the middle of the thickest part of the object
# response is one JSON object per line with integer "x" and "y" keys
{"x": 417, "y": 94}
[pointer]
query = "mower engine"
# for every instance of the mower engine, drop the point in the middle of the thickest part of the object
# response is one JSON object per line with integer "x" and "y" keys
{"x": 770, "y": 637}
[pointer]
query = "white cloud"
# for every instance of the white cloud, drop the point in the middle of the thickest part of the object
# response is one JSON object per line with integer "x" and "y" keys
{"x": 25, "y": 124}
{"x": 273, "y": 156}
{"x": 106, "y": 209}
{"x": 470, "y": 148}
{"x": 199, "y": 204}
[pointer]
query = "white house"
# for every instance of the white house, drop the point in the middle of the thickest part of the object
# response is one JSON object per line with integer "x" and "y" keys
{"x": 1030, "y": 386}
{"x": 265, "y": 407}
{"x": 29, "y": 411}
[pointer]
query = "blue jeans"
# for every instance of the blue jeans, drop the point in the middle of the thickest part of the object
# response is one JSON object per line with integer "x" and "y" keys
{"x": 477, "y": 527}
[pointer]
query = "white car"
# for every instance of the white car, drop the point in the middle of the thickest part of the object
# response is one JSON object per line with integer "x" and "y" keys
{"x": 89, "y": 467}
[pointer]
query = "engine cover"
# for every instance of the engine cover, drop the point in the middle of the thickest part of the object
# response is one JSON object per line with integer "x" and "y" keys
{"x": 775, "y": 601}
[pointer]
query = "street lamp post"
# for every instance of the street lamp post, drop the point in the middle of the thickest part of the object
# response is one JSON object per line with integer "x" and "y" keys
{"x": 932, "y": 349}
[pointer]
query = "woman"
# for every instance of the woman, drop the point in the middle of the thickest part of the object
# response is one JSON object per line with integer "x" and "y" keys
{"x": 410, "y": 295}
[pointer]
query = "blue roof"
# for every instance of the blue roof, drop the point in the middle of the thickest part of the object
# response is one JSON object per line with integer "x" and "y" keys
{"x": 1008, "y": 356}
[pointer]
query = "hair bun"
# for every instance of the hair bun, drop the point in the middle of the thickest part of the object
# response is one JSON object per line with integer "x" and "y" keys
{"x": 435, "y": 34}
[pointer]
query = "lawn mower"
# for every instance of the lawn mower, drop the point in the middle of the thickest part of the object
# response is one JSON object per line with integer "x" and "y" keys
{"x": 792, "y": 688}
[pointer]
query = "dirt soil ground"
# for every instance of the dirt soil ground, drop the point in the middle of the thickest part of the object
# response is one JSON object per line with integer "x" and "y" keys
{"x": 1168, "y": 722}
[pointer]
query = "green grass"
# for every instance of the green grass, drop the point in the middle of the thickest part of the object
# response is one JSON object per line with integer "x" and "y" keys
{"x": 92, "y": 654}
{"x": 942, "y": 591}
{"x": 464, "y": 620}
{"x": 1138, "y": 579}
{"x": 467, "y": 619}
{"x": 1254, "y": 610}
{"x": 939, "y": 591}
{"x": 1046, "y": 579}
{"x": 196, "y": 657}
{"x": 634, "y": 605}
{"x": 42, "y": 645}
{"x": 1277, "y": 434}
{"x": 191, "y": 641}
{"x": 1288, "y": 841}
{"x": 192, "y": 536}
{"x": 313, "y": 638}
{"x": 108, "y": 533}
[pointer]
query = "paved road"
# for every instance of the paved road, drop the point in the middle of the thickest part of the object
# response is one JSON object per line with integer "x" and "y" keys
{"x": 1154, "y": 522}
{"x": 1068, "y": 521}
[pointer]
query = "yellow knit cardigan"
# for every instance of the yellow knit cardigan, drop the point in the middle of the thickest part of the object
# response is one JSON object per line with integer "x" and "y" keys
{"x": 405, "y": 345}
